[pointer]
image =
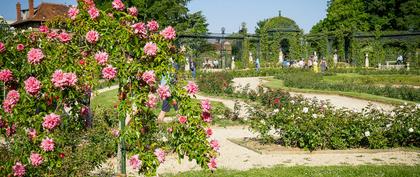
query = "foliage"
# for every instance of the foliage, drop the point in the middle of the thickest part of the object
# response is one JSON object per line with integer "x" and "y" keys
{"x": 215, "y": 83}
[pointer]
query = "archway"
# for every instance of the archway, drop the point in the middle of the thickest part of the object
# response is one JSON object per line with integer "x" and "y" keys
{"x": 285, "y": 47}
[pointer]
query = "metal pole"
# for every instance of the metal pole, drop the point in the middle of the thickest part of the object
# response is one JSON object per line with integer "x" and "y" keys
{"x": 121, "y": 144}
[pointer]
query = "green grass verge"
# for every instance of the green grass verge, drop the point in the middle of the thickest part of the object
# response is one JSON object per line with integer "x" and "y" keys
{"x": 395, "y": 79}
{"x": 278, "y": 84}
{"x": 306, "y": 171}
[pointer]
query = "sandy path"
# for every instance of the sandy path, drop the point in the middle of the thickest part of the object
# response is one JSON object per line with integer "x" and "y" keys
{"x": 229, "y": 104}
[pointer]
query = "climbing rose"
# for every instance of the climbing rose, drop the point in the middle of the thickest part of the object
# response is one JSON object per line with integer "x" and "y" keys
{"x": 163, "y": 92}
{"x": 150, "y": 49}
{"x": 168, "y": 33}
{"x": 132, "y": 11}
{"x": 92, "y": 36}
{"x": 206, "y": 117}
{"x": 182, "y": 119}
{"x": 118, "y": 5}
{"x": 212, "y": 164}
{"x": 11, "y": 100}
{"x": 2, "y": 47}
{"x": 31, "y": 134}
{"x": 109, "y": 72}
{"x": 160, "y": 154}
{"x": 93, "y": 12}
{"x": 6, "y": 75}
{"x": 140, "y": 28}
{"x": 32, "y": 85}
{"x": 64, "y": 37}
{"x": 61, "y": 79}
{"x": 205, "y": 106}
{"x": 151, "y": 103}
{"x": 47, "y": 144}
{"x": 153, "y": 25}
{"x": 19, "y": 169}
{"x": 36, "y": 159}
{"x": 90, "y": 3}
{"x": 101, "y": 57}
{"x": 149, "y": 77}
{"x": 72, "y": 13}
{"x": 35, "y": 56}
{"x": 52, "y": 35}
{"x": 209, "y": 132}
{"x": 191, "y": 88}
{"x": 214, "y": 144}
{"x": 71, "y": 79}
{"x": 43, "y": 29}
{"x": 51, "y": 121}
{"x": 20, "y": 47}
{"x": 134, "y": 162}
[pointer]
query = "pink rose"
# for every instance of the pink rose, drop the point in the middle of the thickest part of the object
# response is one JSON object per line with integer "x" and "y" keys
{"x": 164, "y": 92}
{"x": 36, "y": 159}
{"x": 160, "y": 154}
{"x": 43, "y": 29}
{"x": 115, "y": 132}
{"x": 153, "y": 25}
{"x": 20, "y": 47}
{"x": 32, "y": 85}
{"x": 191, "y": 88}
{"x": 134, "y": 162}
{"x": 209, "y": 132}
{"x": 212, "y": 164}
{"x": 132, "y": 11}
{"x": 35, "y": 56}
{"x": 149, "y": 77}
{"x": 90, "y": 3}
{"x": 169, "y": 129}
{"x": 58, "y": 79}
{"x": 2, "y": 47}
{"x": 51, "y": 121}
{"x": 19, "y": 169}
{"x": 72, "y": 13}
{"x": 151, "y": 103}
{"x": 6, "y": 75}
{"x": 150, "y": 49}
{"x": 71, "y": 79}
{"x": 31, "y": 134}
{"x": 52, "y": 35}
{"x": 214, "y": 144}
{"x": 93, "y": 12}
{"x": 140, "y": 29}
{"x": 47, "y": 144}
{"x": 101, "y": 58}
{"x": 118, "y": 5}
{"x": 206, "y": 117}
{"x": 64, "y": 37}
{"x": 109, "y": 72}
{"x": 11, "y": 100}
{"x": 205, "y": 106}
{"x": 92, "y": 36}
{"x": 168, "y": 33}
{"x": 182, "y": 119}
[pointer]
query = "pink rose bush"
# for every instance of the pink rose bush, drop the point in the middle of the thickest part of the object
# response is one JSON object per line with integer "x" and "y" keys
{"x": 150, "y": 49}
{"x": 93, "y": 12}
{"x": 149, "y": 77}
{"x": 64, "y": 37}
{"x": 132, "y": 11}
{"x": 168, "y": 33}
{"x": 32, "y": 85}
{"x": 43, "y": 29}
{"x": 152, "y": 100}
{"x": 134, "y": 162}
{"x": 72, "y": 13}
{"x": 160, "y": 154}
{"x": 209, "y": 132}
{"x": 35, "y": 56}
{"x": 51, "y": 121}
{"x": 19, "y": 169}
{"x": 153, "y": 25}
{"x": 118, "y": 5}
{"x": 61, "y": 79}
{"x": 164, "y": 92}
{"x": 182, "y": 119}
{"x": 92, "y": 36}
{"x": 109, "y": 72}
{"x": 47, "y": 144}
{"x": 20, "y": 47}
{"x": 191, "y": 88}
{"x": 215, "y": 145}
{"x": 11, "y": 100}
{"x": 140, "y": 29}
{"x": 101, "y": 58}
{"x": 6, "y": 75}
{"x": 36, "y": 159}
{"x": 212, "y": 164}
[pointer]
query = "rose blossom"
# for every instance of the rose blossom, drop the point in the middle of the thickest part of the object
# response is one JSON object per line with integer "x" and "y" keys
{"x": 90, "y": 3}
{"x": 164, "y": 92}
{"x": 153, "y": 25}
{"x": 36, "y": 159}
{"x": 151, "y": 103}
{"x": 140, "y": 28}
{"x": 32, "y": 85}
{"x": 6, "y": 75}
{"x": 206, "y": 117}
{"x": 2, "y": 47}
{"x": 132, "y": 11}
{"x": 20, "y": 47}
{"x": 214, "y": 144}
{"x": 134, "y": 162}
{"x": 31, "y": 134}
{"x": 191, "y": 88}
{"x": 71, "y": 79}
{"x": 212, "y": 164}
{"x": 150, "y": 49}
{"x": 61, "y": 79}
{"x": 51, "y": 121}
{"x": 109, "y": 72}
{"x": 118, "y": 5}
{"x": 19, "y": 169}
{"x": 72, "y": 13}
{"x": 182, "y": 119}
{"x": 52, "y": 35}
{"x": 168, "y": 33}
{"x": 47, "y": 144}
{"x": 10, "y": 130}
{"x": 149, "y": 77}
{"x": 205, "y": 106}
{"x": 92, "y": 36}
{"x": 11, "y": 100}
{"x": 93, "y": 12}
{"x": 160, "y": 154}
{"x": 101, "y": 58}
{"x": 43, "y": 29}
{"x": 35, "y": 56}
{"x": 209, "y": 132}
{"x": 64, "y": 37}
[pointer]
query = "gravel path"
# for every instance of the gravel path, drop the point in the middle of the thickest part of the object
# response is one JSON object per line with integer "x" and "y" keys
{"x": 229, "y": 104}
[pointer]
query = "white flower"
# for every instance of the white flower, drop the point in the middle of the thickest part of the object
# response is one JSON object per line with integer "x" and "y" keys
{"x": 411, "y": 130}
{"x": 315, "y": 116}
{"x": 392, "y": 114}
{"x": 367, "y": 133}
{"x": 305, "y": 110}
{"x": 276, "y": 111}
{"x": 30, "y": 28}
{"x": 388, "y": 125}
{"x": 293, "y": 101}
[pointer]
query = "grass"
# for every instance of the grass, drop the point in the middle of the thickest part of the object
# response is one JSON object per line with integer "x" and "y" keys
{"x": 395, "y": 79}
{"x": 278, "y": 84}
{"x": 321, "y": 171}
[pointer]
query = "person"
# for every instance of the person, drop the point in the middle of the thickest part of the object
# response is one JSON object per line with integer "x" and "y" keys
{"x": 257, "y": 64}
{"x": 310, "y": 62}
{"x": 168, "y": 79}
{"x": 400, "y": 60}
{"x": 193, "y": 69}
{"x": 315, "y": 66}
{"x": 335, "y": 58}
{"x": 324, "y": 66}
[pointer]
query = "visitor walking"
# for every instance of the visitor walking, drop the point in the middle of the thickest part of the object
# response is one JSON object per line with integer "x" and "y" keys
{"x": 193, "y": 69}
{"x": 168, "y": 79}
{"x": 324, "y": 66}
{"x": 257, "y": 64}
{"x": 400, "y": 60}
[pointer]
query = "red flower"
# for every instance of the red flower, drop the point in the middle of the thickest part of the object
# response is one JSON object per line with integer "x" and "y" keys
{"x": 61, "y": 155}
{"x": 276, "y": 101}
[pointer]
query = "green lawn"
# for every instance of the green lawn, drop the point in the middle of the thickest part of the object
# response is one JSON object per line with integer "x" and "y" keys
{"x": 306, "y": 171}
{"x": 278, "y": 84}
{"x": 394, "y": 79}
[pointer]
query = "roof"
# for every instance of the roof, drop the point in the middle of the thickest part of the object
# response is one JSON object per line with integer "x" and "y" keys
{"x": 44, "y": 12}
{"x": 279, "y": 24}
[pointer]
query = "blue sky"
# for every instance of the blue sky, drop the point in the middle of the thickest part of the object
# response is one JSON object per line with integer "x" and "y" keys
{"x": 227, "y": 13}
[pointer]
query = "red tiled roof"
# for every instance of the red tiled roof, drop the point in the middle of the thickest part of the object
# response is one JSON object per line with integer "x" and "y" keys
{"x": 46, "y": 11}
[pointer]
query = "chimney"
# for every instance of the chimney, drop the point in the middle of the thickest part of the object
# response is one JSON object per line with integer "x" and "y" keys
{"x": 31, "y": 8}
{"x": 18, "y": 12}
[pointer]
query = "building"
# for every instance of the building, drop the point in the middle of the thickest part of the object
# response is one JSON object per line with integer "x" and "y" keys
{"x": 35, "y": 16}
